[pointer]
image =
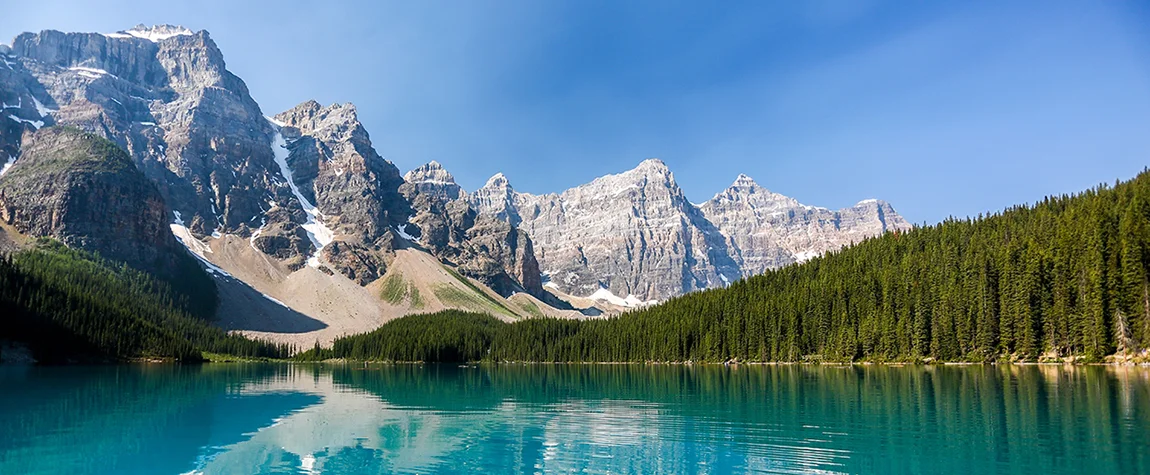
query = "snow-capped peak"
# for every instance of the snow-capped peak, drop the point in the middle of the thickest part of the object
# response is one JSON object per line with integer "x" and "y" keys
{"x": 153, "y": 33}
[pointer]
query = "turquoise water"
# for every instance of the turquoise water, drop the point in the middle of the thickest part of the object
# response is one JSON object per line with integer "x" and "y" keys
{"x": 246, "y": 419}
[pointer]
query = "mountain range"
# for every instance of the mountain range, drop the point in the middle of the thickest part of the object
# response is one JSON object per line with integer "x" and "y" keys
{"x": 300, "y": 207}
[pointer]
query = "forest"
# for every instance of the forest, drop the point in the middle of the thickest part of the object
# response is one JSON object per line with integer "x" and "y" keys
{"x": 69, "y": 305}
{"x": 1063, "y": 279}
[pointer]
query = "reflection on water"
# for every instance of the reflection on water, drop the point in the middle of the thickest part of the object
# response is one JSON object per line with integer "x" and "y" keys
{"x": 244, "y": 419}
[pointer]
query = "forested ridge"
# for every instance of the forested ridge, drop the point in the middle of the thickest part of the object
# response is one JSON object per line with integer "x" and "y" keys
{"x": 71, "y": 305}
{"x": 1063, "y": 279}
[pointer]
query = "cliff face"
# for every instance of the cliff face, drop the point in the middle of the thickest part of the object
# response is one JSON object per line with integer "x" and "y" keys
{"x": 84, "y": 191}
{"x": 485, "y": 248}
{"x": 163, "y": 94}
{"x": 769, "y": 230}
{"x": 633, "y": 234}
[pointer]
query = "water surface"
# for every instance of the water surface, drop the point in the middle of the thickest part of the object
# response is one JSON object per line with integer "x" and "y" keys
{"x": 247, "y": 419}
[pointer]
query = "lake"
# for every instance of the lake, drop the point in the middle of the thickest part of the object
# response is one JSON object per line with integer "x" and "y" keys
{"x": 268, "y": 418}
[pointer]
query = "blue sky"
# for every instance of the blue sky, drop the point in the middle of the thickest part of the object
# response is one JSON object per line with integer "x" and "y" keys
{"x": 941, "y": 108}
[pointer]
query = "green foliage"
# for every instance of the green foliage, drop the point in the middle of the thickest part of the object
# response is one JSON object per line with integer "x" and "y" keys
{"x": 394, "y": 289}
{"x": 449, "y": 335}
{"x": 1066, "y": 277}
{"x": 71, "y": 305}
{"x": 498, "y": 306}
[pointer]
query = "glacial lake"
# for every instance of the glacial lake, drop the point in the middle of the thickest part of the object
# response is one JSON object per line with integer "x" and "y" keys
{"x": 256, "y": 418}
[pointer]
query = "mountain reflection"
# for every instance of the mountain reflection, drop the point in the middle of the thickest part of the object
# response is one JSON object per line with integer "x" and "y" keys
{"x": 244, "y": 419}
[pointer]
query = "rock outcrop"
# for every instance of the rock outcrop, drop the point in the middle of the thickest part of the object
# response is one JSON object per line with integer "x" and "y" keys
{"x": 633, "y": 237}
{"x": 84, "y": 191}
{"x": 485, "y": 248}
{"x": 165, "y": 96}
{"x": 769, "y": 230}
{"x": 633, "y": 234}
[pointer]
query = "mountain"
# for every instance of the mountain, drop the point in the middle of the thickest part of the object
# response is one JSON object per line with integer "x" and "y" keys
{"x": 769, "y": 230}
{"x": 302, "y": 223}
{"x": 634, "y": 234}
{"x": 634, "y": 237}
{"x": 1064, "y": 280}
{"x": 490, "y": 250}
{"x": 84, "y": 191}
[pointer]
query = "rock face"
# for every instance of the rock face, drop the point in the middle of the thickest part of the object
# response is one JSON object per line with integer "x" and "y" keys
{"x": 350, "y": 192}
{"x": 336, "y": 168}
{"x": 634, "y": 234}
{"x": 163, "y": 94}
{"x": 769, "y": 230}
{"x": 485, "y": 248}
{"x": 84, "y": 191}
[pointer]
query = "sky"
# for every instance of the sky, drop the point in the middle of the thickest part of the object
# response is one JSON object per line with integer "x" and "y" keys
{"x": 941, "y": 108}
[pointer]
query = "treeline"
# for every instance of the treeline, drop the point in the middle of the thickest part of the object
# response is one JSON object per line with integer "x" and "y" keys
{"x": 1066, "y": 277}
{"x": 70, "y": 305}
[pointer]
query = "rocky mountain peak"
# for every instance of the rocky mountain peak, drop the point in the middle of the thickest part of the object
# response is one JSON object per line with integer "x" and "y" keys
{"x": 744, "y": 181}
{"x": 430, "y": 173}
{"x": 652, "y": 166}
{"x": 309, "y": 117}
{"x": 498, "y": 180}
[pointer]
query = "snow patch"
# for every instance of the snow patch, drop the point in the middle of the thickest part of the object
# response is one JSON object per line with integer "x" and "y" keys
{"x": 402, "y": 231}
{"x": 43, "y": 111}
{"x": 194, "y": 246}
{"x": 19, "y": 104}
{"x": 319, "y": 234}
{"x": 151, "y": 124}
{"x": 631, "y": 301}
{"x": 11, "y": 161}
{"x": 806, "y": 256}
{"x": 152, "y": 33}
{"x": 92, "y": 73}
{"x": 35, "y": 123}
{"x": 269, "y": 297}
{"x": 433, "y": 182}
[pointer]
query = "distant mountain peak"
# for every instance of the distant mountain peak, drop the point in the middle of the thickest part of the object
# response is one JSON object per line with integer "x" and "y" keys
{"x": 744, "y": 181}
{"x": 154, "y": 33}
{"x": 431, "y": 172}
{"x": 498, "y": 180}
{"x": 653, "y": 164}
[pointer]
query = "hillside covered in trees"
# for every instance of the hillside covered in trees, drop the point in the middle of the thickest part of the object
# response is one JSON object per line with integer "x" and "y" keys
{"x": 71, "y": 305}
{"x": 1063, "y": 279}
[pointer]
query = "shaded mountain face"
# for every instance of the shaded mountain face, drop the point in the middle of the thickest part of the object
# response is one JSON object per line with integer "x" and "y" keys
{"x": 636, "y": 236}
{"x": 83, "y": 190}
{"x": 485, "y": 248}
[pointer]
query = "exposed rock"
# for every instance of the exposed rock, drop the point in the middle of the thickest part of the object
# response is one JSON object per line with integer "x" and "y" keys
{"x": 336, "y": 168}
{"x": 164, "y": 94}
{"x": 636, "y": 236}
{"x": 355, "y": 262}
{"x": 770, "y": 230}
{"x": 633, "y": 234}
{"x": 484, "y": 248}
{"x": 85, "y": 192}
{"x": 433, "y": 180}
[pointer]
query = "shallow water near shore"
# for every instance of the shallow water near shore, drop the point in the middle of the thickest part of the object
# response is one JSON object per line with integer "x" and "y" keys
{"x": 269, "y": 418}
